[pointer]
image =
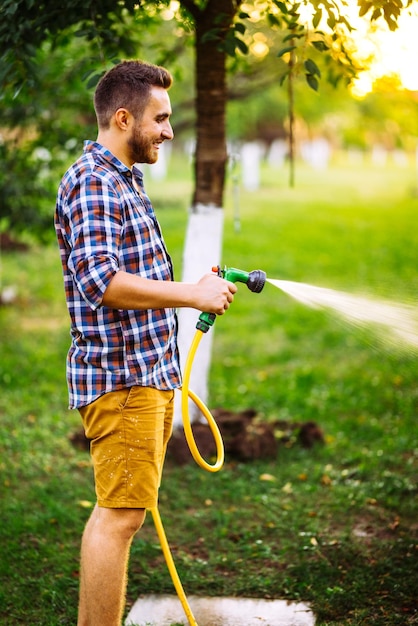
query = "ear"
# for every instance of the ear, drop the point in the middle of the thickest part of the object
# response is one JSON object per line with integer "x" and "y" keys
{"x": 123, "y": 119}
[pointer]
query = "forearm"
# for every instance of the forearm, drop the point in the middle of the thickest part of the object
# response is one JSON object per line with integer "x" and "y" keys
{"x": 129, "y": 291}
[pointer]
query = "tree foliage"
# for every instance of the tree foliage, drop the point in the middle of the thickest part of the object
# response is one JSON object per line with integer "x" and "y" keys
{"x": 390, "y": 10}
{"x": 40, "y": 81}
{"x": 26, "y": 24}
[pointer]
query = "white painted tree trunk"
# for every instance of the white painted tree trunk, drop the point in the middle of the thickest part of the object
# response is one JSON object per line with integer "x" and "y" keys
{"x": 202, "y": 251}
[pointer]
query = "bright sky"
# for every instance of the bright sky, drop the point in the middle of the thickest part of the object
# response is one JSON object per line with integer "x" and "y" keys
{"x": 395, "y": 52}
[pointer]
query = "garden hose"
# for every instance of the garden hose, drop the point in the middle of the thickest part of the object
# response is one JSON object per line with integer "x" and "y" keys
{"x": 255, "y": 282}
{"x": 171, "y": 567}
{"x": 187, "y": 393}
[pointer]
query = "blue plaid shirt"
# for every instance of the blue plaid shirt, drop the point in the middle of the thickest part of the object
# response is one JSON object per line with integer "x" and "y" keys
{"x": 103, "y": 225}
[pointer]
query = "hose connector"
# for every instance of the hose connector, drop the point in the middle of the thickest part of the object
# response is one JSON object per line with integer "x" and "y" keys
{"x": 205, "y": 321}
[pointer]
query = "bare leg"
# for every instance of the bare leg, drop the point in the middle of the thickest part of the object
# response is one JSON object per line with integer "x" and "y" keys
{"x": 104, "y": 561}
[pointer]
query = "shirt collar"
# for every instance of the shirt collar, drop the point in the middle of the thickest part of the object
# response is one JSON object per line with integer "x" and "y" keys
{"x": 107, "y": 155}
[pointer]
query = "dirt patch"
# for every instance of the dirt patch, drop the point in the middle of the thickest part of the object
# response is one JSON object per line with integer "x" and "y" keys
{"x": 246, "y": 437}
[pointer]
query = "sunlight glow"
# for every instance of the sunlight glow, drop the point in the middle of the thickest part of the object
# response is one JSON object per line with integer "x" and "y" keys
{"x": 385, "y": 53}
{"x": 169, "y": 13}
{"x": 394, "y": 53}
{"x": 259, "y": 47}
{"x": 252, "y": 11}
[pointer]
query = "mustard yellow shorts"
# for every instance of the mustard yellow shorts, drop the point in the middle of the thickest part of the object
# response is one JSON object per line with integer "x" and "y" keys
{"x": 129, "y": 432}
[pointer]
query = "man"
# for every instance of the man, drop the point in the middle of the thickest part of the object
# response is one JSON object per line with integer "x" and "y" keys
{"x": 122, "y": 366}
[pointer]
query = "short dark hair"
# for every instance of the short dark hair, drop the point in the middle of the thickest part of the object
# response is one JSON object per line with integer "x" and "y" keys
{"x": 127, "y": 85}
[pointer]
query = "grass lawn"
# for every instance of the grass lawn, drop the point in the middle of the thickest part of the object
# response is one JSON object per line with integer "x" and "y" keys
{"x": 334, "y": 525}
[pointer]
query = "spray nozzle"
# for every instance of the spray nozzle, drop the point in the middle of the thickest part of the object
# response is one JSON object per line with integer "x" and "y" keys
{"x": 254, "y": 280}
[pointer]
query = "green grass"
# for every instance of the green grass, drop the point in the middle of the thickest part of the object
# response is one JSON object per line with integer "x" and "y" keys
{"x": 335, "y": 525}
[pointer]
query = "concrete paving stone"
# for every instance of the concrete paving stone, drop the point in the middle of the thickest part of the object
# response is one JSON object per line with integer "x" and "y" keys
{"x": 165, "y": 610}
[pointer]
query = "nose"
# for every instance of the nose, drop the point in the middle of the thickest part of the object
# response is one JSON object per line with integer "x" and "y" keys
{"x": 167, "y": 131}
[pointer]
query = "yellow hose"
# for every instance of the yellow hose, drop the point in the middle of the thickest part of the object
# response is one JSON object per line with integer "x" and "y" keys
{"x": 171, "y": 567}
{"x": 186, "y": 393}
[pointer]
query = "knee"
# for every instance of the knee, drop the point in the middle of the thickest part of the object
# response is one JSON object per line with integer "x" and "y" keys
{"x": 121, "y": 522}
{"x": 137, "y": 520}
{"x": 130, "y": 521}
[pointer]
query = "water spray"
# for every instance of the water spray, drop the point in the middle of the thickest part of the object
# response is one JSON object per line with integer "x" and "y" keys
{"x": 255, "y": 282}
{"x": 399, "y": 320}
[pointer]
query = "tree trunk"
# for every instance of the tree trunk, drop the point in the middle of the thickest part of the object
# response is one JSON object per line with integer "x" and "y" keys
{"x": 205, "y": 227}
{"x": 211, "y": 97}
{"x": 202, "y": 250}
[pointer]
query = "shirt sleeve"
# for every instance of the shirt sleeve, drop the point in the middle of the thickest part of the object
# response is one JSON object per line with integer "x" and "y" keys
{"x": 94, "y": 234}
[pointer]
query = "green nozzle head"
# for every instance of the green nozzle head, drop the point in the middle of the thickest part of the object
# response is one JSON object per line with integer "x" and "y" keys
{"x": 254, "y": 280}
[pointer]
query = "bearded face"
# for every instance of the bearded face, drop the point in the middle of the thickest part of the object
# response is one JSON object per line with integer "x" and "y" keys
{"x": 149, "y": 131}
